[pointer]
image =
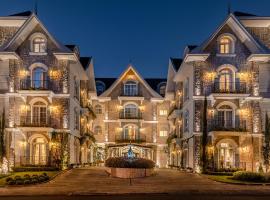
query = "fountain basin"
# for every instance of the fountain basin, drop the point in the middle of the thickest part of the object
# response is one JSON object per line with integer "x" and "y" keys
{"x": 130, "y": 172}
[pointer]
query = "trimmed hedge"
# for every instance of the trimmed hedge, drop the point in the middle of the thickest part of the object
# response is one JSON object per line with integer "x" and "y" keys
{"x": 122, "y": 162}
{"x": 34, "y": 169}
{"x": 251, "y": 176}
{"x": 219, "y": 173}
{"x": 27, "y": 179}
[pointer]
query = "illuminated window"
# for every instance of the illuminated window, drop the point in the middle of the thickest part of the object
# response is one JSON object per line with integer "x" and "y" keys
{"x": 225, "y": 80}
{"x": 130, "y": 111}
{"x": 39, "y": 114}
{"x": 162, "y": 88}
{"x": 39, "y": 45}
{"x": 163, "y": 133}
{"x": 225, "y": 45}
{"x": 130, "y": 88}
{"x": 163, "y": 112}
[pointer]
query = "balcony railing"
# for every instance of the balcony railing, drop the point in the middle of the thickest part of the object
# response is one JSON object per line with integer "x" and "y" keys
{"x": 37, "y": 121}
{"x": 128, "y": 115}
{"x": 34, "y": 160}
{"x": 127, "y": 138}
{"x": 227, "y": 87}
{"x": 40, "y": 85}
{"x": 127, "y": 93}
{"x": 227, "y": 125}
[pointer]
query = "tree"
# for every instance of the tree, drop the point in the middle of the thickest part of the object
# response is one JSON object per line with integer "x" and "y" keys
{"x": 204, "y": 138}
{"x": 266, "y": 147}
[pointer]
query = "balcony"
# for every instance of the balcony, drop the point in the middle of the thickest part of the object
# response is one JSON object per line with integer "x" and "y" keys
{"x": 40, "y": 85}
{"x": 130, "y": 115}
{"x": 138, "y": 138}
{"x": 227, "y": 125}
{"x": 227, "y": 88}
{"x": 37, "y": 121}
{"x": 126, "y": 93}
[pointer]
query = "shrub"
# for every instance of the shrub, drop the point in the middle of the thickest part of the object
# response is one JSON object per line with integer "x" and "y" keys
{"x": 17, "y": 177}
{"x": 26, "y": 176}
{"x": 27, "y": 181}
{"x": 19, "y": 181}
{"x": 41, "y": 178}
{"x": 122, "y": 162}
{"x": 249, "y": 176}
{"x": 34, "y": 180}
{"x": 34, "y": 169}
{"x": 11, "y": 182}
{"x": 9, "y": 179}
{"x": 219, "y": 173}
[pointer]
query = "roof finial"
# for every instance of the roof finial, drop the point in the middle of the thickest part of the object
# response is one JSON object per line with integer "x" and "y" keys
{"x": 36, "y": 7}
{"x": 229, "y": 7}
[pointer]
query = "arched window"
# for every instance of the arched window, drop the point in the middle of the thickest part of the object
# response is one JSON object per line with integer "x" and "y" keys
{"x": 98, "y": 130}
{"x": 130, "y": 111}
{"x": 39, "y": 44}
{"x": 39, "y": 78}
{"x": 130, "y": 132}
{"x": 225, "y": 116}
{"x": 162, "y": 89}
{"x": 98, "y": 109}
{"x": 39, "y": 114}
{"x": 100, "y": 87}
{"x": 226, "y": 44}
{"x": 226, "y": 80}
{"x": 130, "y": 88}
{"x": 227, "y": 150}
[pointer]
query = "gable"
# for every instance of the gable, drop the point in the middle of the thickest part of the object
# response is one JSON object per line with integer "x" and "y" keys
{"x": 239, "y": 31}
{"x": 26, "y": 30}
{"x": 130, "y": 74}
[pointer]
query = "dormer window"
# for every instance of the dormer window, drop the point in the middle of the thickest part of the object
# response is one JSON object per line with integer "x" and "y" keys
{"x": 226, "y": 44}
{"x": 38, "y": 43}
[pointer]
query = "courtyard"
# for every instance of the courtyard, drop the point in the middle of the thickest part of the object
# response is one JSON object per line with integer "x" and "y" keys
{"x": 95, "y": 181}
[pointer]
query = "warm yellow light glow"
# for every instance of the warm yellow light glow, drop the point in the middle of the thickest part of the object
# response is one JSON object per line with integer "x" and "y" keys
{"x": 243, "y": 76}
{"x": 54, "y": 73}
{"x": 141, "y": 108}
{"x": 53, "y": 108}
{"x": 23, "y": 73}
{"x": 243, "y": 112}
{"x": 22, "y": 143}
{"x": 24, "y": 108}
{"x": 210, "y": 75}
{"x": 119, "y": 107}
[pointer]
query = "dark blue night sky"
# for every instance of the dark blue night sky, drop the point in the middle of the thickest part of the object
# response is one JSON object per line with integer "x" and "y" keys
{"x": 147, "y": 32}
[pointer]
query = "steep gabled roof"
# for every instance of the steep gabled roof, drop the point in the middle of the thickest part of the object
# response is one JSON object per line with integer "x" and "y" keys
{"x": 252, "y": 44}
{"x": 22, "y": 14}
{"x": 119, "y": 79}
{"x": 85, "y": 61}
{"x": 176, "y": 62}
{"x": 26, "y": 29}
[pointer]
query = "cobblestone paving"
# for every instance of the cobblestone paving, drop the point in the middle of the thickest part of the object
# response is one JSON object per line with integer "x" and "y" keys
{"x": 93, "y": 180}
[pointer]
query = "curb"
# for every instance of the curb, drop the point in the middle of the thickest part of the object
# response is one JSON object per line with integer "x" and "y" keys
{"x": 235, "y": 183}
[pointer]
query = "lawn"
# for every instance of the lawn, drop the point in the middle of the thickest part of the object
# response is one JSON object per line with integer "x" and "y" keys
{"x": 13, "y": 174}
{"x": 228, "y": 179}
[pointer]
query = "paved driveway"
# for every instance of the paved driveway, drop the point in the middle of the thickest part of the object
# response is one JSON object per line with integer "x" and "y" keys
{"x": 86, "y": 181}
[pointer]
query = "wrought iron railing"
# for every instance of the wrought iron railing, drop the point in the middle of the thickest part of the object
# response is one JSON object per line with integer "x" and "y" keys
{"x": 130, "y": 115}
{"x": 227, "y": 125}
{"x": 138, "y": 138}
{"x": 227, "y": 87}
{"x": 39, "y": 121}
{"x": 40, "y": 85}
